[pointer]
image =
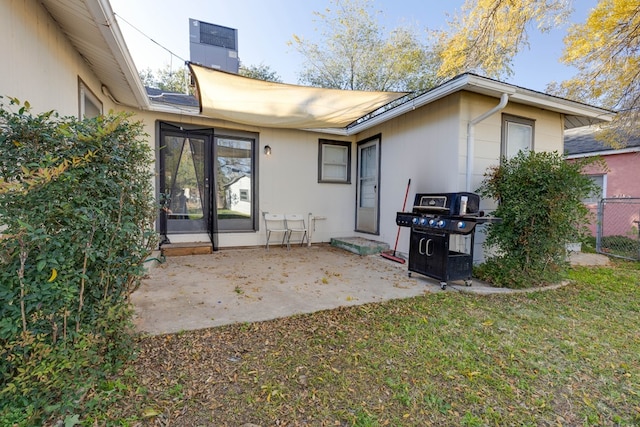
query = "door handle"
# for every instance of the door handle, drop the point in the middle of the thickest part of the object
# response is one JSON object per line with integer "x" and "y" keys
{"x": 420, "y": 251}
{"x": 429, "y": 253}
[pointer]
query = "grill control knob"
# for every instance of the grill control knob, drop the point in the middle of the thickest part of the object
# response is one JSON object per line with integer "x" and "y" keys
{"x": 415, "y": 221}
{"x": 423, "y": 221}
{"x": 462, "y": 224}
{"x": 442, "y": 223}
{"x": 432, "y": 222}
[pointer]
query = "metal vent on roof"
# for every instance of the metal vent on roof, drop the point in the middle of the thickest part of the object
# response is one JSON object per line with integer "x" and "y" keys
{"x": 217, "y": 35}
{"x": 214, "y": 46}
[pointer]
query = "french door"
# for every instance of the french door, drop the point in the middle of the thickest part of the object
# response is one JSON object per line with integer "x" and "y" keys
{"x": 206, "y": 182}
{"x": 185, "y": 181}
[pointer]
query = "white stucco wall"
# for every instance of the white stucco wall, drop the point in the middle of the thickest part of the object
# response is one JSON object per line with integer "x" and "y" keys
{"x": 421, "y": 146}
{"x": 429, "y": 145}
{"x": 39, "y": 63}
{"x": 548, "y": 135}
{"x": 287, "y": 180}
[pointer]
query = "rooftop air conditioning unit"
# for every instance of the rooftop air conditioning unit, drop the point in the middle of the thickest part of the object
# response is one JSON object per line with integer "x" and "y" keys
{"x": 213, "y": 46}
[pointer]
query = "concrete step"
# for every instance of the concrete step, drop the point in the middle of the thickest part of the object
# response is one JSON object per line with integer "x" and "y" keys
{"x": 184, "y": 249}
{"x": 359, "y": 245}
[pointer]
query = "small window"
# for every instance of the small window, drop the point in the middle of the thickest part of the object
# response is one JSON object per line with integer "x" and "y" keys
{"x": 334, "y": 161}
{"x": 244, "y": 195}
{"x": 600, "y": 182}
{"x": 517, "y": 135}
{"x": 90, "y": 105}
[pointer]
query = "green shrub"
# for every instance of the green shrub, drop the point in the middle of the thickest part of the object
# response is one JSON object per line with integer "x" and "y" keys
{"x": 539, "y": 197}
{"x": 76, "y": 215}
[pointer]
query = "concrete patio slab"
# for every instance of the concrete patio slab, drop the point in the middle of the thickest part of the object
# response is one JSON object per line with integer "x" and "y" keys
{"x": 250, "y": 285}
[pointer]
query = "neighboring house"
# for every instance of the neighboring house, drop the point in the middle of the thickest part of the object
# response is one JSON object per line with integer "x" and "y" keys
{"x": 69, "y": 55}
{"x": 238, "y": 196}
{"x": 616, "y": 177}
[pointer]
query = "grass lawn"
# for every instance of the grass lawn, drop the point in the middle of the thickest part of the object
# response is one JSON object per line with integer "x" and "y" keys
{"x": 567, "y": 357}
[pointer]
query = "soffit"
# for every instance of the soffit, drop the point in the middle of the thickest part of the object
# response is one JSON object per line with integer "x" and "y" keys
{"x": 91, "y": 28}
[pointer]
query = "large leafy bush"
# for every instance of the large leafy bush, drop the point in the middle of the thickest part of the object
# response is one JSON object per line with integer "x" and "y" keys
{"x": 76, "y": 213}
{"x": 539, "y": 197}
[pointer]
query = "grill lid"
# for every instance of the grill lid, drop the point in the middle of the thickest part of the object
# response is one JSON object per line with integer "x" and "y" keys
{"x": 461, "y": 203}
{"x": 431, "y": 203}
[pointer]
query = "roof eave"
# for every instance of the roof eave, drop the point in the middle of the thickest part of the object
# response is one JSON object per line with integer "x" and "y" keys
{"x": 576, "y": 114}
{"x": 92, "y": 30}
{"x": 104, "y": 17}
{"x": 610, "y": 152}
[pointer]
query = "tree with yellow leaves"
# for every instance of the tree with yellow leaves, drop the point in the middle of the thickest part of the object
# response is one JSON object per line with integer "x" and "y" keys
{"x": 605, "y": 49}
{"x": 487, "y": 34}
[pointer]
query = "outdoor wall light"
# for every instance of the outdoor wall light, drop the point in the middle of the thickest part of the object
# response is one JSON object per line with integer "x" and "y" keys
{"x": 267, "y": 150}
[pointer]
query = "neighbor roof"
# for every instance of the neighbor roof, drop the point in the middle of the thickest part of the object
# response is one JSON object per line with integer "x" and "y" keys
{"x": 582, "y": 142}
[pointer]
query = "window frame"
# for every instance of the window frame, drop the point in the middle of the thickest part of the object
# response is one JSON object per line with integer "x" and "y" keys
{"x": 603, "y": 190}
{"x": 322, "y": 143}
{"x": 504, "y": 139}
{"x": 85, "y": 95}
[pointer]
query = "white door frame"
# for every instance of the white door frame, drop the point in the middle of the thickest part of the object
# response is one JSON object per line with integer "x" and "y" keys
{"x": 368, "y": 186}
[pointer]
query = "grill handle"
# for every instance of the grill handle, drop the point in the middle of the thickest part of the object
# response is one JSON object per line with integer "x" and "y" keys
{"x": 425, "y": 250}
{"x": 428, "y": 242}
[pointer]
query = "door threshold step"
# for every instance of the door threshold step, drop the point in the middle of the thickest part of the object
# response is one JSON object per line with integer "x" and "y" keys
{"x": 359, "y": 245}
{"x": 185, "y": 249}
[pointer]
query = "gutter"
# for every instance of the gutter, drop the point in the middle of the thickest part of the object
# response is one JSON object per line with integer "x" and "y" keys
{"x": 609, "y": 152}
{"x": 504, "y": 99}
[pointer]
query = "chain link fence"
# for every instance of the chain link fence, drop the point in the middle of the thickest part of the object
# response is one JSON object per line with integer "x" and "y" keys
{"x": 617, "y": 230}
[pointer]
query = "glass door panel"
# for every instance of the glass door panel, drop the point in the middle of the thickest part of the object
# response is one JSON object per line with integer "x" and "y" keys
{"x": 368, "y": 181}
{"x": 234, "y": 183}
{"x": 183, "y": 183}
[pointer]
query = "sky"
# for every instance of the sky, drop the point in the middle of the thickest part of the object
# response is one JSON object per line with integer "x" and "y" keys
{"x": 157, "y": 32}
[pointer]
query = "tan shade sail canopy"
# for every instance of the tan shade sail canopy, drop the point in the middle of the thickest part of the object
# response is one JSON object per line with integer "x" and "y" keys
{"x": 255, "y": 102}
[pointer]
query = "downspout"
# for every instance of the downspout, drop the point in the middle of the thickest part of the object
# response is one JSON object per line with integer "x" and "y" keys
{"x": 471, "y": 137}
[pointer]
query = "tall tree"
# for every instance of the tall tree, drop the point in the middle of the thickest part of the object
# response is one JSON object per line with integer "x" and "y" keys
{"x": 606, "y": 51}
{"x": 353, "y": 53}
{"x": 260, "y": 72}
{"x": 167, "y": 79}
{"x": 487, "y": 34}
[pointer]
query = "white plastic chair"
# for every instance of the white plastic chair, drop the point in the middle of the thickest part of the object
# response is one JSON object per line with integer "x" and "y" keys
{"x": 276, "y": 223}
{"x": 295, "y": 224}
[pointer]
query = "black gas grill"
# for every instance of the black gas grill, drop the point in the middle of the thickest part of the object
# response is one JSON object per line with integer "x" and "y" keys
{"x": 434, "y": 219}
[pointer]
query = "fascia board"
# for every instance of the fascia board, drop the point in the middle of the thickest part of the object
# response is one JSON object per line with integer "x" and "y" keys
{"x": 438, "y": 92}
{"x": 493, "y": 88}
{"x": 562, "y": 106}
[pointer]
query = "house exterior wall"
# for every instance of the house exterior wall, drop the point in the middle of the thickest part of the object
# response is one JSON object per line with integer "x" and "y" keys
{"x": 620, "y": 172}
{"x": 287, "y": 180}
{"x": 39, "y": 63}
{"x": 421, "y": 146}
{"x": 429, "y": 146}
